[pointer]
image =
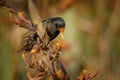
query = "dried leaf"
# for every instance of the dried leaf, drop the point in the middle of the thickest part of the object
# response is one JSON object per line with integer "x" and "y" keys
{"x": 82, "y": 75}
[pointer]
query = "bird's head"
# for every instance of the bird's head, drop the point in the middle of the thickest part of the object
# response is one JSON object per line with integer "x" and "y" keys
{"x": 55, "y": 26}
{"x": 60, "y": 25}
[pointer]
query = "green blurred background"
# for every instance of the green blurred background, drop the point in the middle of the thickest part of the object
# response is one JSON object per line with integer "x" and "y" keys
{"x": 92, "y": 36}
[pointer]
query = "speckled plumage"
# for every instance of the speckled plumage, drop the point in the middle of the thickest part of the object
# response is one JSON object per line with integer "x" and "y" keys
{"x": 52, "y": 26}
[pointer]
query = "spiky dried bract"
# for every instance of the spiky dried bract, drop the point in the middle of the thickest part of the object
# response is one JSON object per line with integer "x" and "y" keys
{"x": 85, "y": 76}
{"x": 40, "y": 55}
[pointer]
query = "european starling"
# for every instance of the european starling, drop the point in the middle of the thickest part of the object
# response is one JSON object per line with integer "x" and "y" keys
{"x": 53, "y": 27}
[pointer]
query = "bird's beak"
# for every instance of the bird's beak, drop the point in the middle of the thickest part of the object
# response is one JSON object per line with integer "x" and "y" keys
{"x": 61, "y": 32}
{"x": 61, "y": 29}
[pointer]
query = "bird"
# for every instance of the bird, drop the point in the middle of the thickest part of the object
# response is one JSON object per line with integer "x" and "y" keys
{"x": 53, "y": 27}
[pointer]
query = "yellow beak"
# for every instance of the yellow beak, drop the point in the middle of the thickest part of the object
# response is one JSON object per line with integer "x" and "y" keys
{"x": 61, "y": 29}
{"x": 61, "y": 32}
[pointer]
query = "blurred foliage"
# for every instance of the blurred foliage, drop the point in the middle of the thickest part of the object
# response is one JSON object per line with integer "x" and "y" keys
{"x": 92, "y": 37}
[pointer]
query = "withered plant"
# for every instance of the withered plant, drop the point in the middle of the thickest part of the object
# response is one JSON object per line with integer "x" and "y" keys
{"x": 42, "y": 61}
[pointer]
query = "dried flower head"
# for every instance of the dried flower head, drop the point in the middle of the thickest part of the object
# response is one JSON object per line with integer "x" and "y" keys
{"x": 39, "y": 54}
